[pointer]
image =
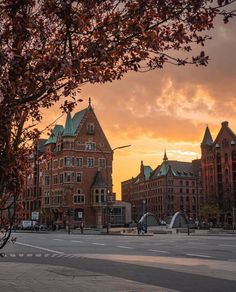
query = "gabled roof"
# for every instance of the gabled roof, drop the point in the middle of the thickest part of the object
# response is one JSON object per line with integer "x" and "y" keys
{"x": 178, "y": 168}
{"x": 53, "y": 137}
{"x": 207, "y": 139}
{"x": 77, "y": 118}
{"x": 71, "y": 126}
{"x": 99, "y": 181}
{"x": 225, "y": 127}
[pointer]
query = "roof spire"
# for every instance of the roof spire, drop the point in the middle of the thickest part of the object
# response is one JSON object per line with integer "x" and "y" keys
{"x": 141, "y": 167}
{"x": 207, "y": 139}
{"x": 165, "y": 158}
{"x": 89, "y": 101}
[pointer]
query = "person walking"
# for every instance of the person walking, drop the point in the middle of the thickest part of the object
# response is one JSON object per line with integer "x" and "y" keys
{"x": 82, "y": 227}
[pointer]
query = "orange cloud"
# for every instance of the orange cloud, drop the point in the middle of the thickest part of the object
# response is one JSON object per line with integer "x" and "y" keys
{"x": 167, "y": 108}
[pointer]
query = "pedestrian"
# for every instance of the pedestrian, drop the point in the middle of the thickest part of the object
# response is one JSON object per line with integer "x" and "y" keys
{"x": 139, "y": 227}
{"x": 82, "y": 227}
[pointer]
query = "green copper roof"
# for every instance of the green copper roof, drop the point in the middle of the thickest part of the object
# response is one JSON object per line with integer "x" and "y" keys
{"x": 178, "y": 168}
{"x": 147, "y": 172}
{"x": 164, "y": 168}
{"x": 69, "y": 127}
{"x": 53, "y": 137}
{"x": 78, "y": 118}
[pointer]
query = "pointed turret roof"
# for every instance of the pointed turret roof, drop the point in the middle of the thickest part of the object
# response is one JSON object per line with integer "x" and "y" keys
{"x": 53, "y": 137}
{"x": 69, "y": 129}
{"x": 99, "y": 181}
{"x": 207, "y": 139}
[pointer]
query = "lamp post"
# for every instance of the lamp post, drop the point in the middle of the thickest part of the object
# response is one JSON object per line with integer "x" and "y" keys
{"x": 144, "y": 211}
{"x": 133, "y": 213}
{"x": 108, "y": 197}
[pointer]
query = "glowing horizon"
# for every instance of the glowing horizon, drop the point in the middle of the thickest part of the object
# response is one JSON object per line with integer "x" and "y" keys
{"x": 165, "y": 109}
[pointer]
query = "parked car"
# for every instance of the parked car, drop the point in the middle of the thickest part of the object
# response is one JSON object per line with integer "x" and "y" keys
{"x": 43, "y": 227}
{"x": 29, "y": 225}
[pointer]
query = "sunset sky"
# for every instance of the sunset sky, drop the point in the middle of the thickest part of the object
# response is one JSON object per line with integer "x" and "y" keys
{"x": 166, "y": 109}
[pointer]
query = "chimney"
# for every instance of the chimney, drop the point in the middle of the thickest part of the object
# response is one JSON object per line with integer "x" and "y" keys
{"x": 224, "y": 124}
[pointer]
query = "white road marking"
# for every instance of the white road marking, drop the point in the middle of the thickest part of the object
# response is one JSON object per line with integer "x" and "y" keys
{"x": 122, "y": 246}
{"x": 196, "y": 243}
{"x": 198, "y": 255}
{"x": 95, "y": 243}
{"x": 58, "y": 239}
{"x": 227, "y": 245}
{"x": 76, "y": 241}
{"x": 38, "y": 247}
{"x": 12, "y": 255}
{"x": 156, "y": 250}
{"x": 29, "y": 255}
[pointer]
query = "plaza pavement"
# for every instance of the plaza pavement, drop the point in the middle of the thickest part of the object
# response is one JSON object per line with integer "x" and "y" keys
{"x": 26, "y": 277}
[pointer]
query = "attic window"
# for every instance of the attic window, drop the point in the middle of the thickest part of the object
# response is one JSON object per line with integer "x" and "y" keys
{"x": 191, "y": 173}
{"x": 178, "y": 172}
{"x": 185, "y": 173}
{"x": 90, "y": 128}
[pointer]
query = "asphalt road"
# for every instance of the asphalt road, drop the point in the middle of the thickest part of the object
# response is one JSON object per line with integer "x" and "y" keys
{"x": 180, "y": 262}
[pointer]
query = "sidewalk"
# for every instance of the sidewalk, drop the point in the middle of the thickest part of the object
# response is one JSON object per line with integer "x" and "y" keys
{"x": 22, "y": 277}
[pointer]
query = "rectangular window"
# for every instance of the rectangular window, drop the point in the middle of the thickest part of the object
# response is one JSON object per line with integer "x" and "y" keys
{"x": 90, "y": 146}
{"x": 61, "y": 178}
{"x": 46, "y": 180}
{"x": 61, "y": 162}
{"x": 46, "y": 200}
{"x": 90, "y": 162}
{"x": 79, "y": 161}
{"x": 68, "y": 161}
{"x": 68, "y": 176}
{"x": 55, "y": 180}
{"x": 79, "y": 199}
{"x": 78, "y": 177}
{"x": 102, "y": 162}
{"x": 90, "y": 128}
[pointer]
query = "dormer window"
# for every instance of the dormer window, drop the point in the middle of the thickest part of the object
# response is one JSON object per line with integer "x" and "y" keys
{"x": 90, "y": 128}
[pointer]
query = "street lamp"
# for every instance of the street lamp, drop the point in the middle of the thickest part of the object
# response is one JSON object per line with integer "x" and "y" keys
{"x": 107, "y": 207}
{"x": 145, "y": 211}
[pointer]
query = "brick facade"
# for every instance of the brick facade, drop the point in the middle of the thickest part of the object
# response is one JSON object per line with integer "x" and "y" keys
{"x": 219, "y": 172}
{"x": 171, "y": 187}
{"x": 63, "y": 185}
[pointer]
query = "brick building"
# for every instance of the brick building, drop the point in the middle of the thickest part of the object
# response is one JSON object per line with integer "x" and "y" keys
{"x": 171, "y": 187}
{"x": 71, "y": 177}
{"x": 219, "y": 171}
